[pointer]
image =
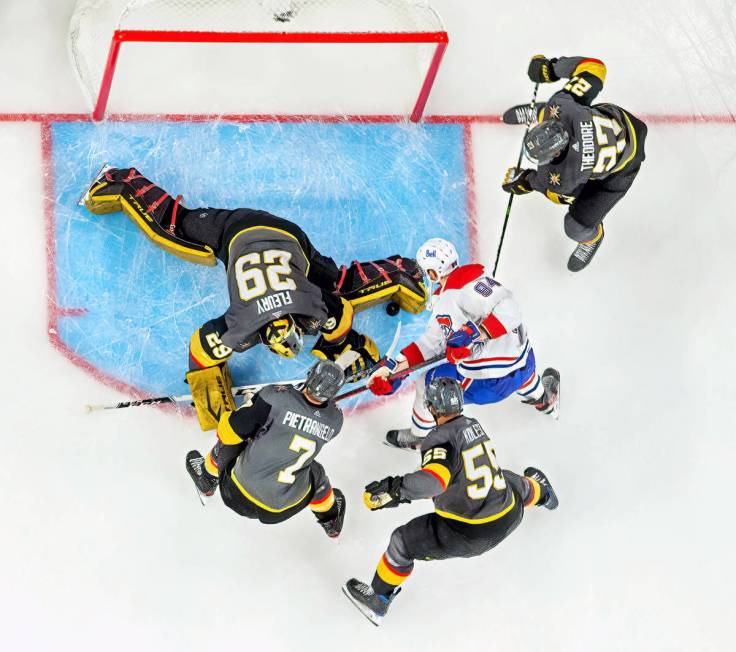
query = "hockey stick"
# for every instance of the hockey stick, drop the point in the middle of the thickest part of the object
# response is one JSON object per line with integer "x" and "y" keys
{"x": 344, "y": 360}
{"x": 401, "y": 374}
{"x": 511, "y": 197}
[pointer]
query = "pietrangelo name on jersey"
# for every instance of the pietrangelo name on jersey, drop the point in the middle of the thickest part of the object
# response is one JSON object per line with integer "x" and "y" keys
{"x": 308, "y": 425}
{"x": 274, "y": 301}
{"x": 472, "y": 432}
{"x": 587, "y": 136}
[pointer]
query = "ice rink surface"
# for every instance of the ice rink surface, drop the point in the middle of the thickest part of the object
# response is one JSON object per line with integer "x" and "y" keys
{"x": 104, "y": 544}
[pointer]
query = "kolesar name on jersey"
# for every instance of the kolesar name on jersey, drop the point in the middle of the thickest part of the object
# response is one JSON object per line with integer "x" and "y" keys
{"x": 308, "y": 425}
{"x": 274, "y": 301}
{"x": 472, "y": 432}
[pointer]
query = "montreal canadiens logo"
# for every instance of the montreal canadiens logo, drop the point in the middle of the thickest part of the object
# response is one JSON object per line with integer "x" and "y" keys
{"x": 445, "y": 322}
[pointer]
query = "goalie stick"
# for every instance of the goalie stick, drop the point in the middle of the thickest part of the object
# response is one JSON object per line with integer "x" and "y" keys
{"x": 344, "y": 360}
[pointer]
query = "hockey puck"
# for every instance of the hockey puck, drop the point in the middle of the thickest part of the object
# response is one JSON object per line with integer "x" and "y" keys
{"x": 392, "y": 308}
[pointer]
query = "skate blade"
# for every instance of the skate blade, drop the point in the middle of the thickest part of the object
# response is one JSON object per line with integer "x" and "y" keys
{"x": 400, "y": 448}
{"x": 85, "y": 195}
{"x": 370, "y": 616}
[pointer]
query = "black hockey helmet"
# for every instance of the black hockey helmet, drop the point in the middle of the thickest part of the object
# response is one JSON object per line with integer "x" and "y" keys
{"x": 283, "y": 337}
{"x": 324, "y": 380}
{"x": 444, "y": 396}
{"x": 545, "y": 141}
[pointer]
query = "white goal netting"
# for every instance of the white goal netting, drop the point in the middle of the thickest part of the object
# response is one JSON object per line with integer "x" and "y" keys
{"x": 401, "y": 67}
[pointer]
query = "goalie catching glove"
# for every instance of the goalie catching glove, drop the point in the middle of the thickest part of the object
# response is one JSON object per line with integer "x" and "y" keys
{"x": 384, "y": 493}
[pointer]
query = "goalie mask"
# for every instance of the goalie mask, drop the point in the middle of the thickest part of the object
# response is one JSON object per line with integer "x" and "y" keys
{"x": 283, "y": 337}
{"x": 544, "y": 142}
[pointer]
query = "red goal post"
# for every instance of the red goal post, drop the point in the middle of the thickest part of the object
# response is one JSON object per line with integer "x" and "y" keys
{"x": 100, "y": 27}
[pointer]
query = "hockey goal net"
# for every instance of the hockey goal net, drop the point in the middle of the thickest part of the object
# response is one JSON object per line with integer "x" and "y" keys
{"x": 297, "y": 53}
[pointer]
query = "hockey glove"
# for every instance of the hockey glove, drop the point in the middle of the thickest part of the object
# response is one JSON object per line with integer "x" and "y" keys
{"x": 459, "y": 343}
{"x": 379, "y": 382}
{"x": 384, "y": 493}
{"x": 517, "y": 181}
{"x": 542, "y": 70}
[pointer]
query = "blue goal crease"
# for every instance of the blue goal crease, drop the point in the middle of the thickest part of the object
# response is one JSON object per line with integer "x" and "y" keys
{"x": 360, "y": 191}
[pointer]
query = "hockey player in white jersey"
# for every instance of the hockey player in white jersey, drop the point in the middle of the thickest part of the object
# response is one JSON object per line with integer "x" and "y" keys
{"x": 477, "y": 323}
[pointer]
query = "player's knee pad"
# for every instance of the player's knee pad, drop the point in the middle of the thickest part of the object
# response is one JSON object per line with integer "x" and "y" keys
{"x": 212, "y": 395}
{"x": 149, "y": 207}
{"x": 398, "y": 549}
{"x": 390, "y": 279}
{"x": 365, "y": 351}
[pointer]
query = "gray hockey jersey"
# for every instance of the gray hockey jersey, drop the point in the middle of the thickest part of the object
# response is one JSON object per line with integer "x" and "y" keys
{"x": 460, "y": 456}
{"x": 267, "y": 279}
{"x": 273, "y": 470}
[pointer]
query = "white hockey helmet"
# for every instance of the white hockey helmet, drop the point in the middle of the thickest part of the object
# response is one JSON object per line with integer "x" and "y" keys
{"x": 437, "y": 255}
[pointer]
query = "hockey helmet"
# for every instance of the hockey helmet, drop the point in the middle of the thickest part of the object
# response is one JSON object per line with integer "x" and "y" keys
{"x": 283, "y": 337}
{"x": 545, "y": 141}
{"x": 444, "y": 396}
{"x": 324, "y": 380}
{"x": 437, "y": 255}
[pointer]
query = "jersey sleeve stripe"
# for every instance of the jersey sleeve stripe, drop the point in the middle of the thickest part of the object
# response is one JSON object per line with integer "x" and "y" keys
{"x": 441, "y": 473}
{"x": 493, "y": 326}
{"x": 413, "y": 354}
{"x": 593, "y": 66}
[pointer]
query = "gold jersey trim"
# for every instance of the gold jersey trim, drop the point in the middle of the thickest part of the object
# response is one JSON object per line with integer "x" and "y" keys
{"x": 479, "y": 521}
{"x": 263, "y": 505}
{"x": 270, "y": 228}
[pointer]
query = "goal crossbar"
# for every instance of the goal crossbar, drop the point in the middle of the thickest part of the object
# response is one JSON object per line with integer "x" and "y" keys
{"x": 178, "y": 36}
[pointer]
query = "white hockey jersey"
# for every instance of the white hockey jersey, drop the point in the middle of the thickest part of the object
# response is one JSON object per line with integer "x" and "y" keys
{"x": 470, "y": 294}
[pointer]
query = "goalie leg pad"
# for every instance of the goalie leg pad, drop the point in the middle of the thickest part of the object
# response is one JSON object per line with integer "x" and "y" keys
{"x": 389, "y": 279}
{"x": 149, "y": 207}
{"x": 212, "y": 394}
{"x": 362, "y": 345}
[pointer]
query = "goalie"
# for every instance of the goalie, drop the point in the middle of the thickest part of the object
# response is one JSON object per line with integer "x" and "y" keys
{"x": 280, "y": 286}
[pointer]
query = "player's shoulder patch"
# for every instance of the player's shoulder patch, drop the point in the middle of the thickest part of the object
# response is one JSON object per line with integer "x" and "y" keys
{"x": 463, "y": 275}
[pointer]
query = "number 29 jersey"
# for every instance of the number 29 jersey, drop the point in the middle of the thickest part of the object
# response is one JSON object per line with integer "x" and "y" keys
{"x": 460, "y": 455}
{"x": 267, "y": 272}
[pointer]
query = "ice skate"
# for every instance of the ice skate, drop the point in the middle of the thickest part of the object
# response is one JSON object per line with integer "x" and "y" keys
{"x": 84, "y": 199}
{"x": 549, "y": 402}
{"x": 205, "y": 482}
{"x": 371, "y": 604}
{"x": 333, "y": 527}
{"x": 404, "y": 439}
{"x": 584, "y": 252}
{"x": 550, "y": 500}
{"x": 521, "y": 114}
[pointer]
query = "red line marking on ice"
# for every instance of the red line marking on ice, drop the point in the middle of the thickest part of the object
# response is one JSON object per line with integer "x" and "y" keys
{"x": 470, "y": 190}
{"x": 725, "y": 118}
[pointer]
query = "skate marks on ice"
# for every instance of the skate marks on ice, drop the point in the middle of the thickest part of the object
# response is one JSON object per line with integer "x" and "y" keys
{"x": 359, "y": 190}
